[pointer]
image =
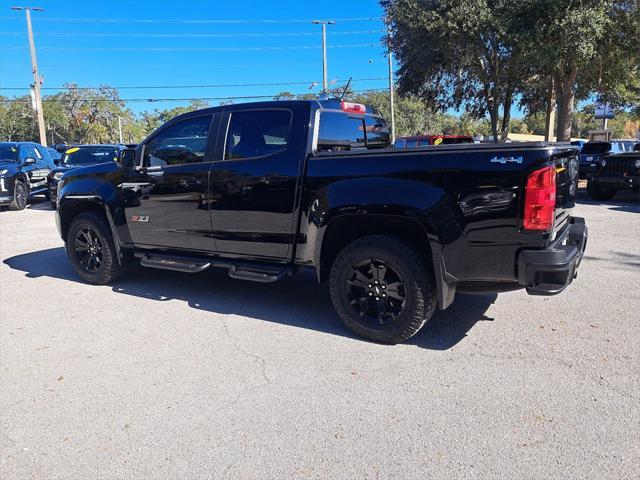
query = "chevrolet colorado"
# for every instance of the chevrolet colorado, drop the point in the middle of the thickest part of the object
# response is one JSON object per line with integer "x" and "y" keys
{"x": 264, "y": 189}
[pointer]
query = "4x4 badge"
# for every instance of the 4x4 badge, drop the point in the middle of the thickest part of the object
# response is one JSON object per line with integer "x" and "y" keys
{"x": 139, "y": 218}
{"x": 504, "y": 160}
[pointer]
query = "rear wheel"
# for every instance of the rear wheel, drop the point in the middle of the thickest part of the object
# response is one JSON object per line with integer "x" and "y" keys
{"x": 91, "y": 249}
{"x": 381, "y": 288}
{"x": 20, "y": 196}
{"x": 598, "y": 192}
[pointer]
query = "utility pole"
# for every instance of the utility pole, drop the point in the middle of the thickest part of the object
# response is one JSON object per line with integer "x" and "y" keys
{"x": 324, "y": 24}
{"x": 550, "y": 116}
{"x": 390, "y": 57}
{"x": 36, "y": 78}
{"x": 120, "y": 128}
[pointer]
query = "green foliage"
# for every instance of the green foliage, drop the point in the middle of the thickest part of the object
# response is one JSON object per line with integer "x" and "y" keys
{"x": 460, "y": 54}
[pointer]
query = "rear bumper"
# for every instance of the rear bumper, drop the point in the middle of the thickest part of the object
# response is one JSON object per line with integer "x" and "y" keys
{"x": 550, "y": 271}
{"x": 618, "y": 182}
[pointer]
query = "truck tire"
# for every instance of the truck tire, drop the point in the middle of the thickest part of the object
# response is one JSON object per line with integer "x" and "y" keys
{"x": 20, "y": 196}
{"x": 598, "y": 192}
{"x": 381, "y": 288}
{"x": 91, "y": 249}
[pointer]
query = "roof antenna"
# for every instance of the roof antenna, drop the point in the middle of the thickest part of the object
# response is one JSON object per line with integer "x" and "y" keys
{"x": 346, "y": 87}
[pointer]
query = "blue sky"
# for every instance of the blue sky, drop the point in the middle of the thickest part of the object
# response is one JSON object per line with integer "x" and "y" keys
{"x": 117, "y": 43}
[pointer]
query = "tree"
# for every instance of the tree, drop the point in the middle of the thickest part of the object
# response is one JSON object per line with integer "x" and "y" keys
{"x": 461, "y": 54}
{"x": 578, "y": 48}
{"x": 149, "y": 121}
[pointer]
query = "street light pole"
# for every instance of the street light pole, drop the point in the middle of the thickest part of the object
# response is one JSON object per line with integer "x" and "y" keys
{"x": 36, "y": 77}
{"x": 392, "y": 119}
{"x": 324, "y": 24}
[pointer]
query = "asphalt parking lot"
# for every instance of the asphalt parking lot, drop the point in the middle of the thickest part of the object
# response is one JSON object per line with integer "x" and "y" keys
{"x": 166, "y": 375}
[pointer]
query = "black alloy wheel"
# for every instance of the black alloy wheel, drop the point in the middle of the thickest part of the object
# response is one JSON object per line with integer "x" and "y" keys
{"x": 376, "y": 291}
{"x": 91, "y": 249}
{"x": 381, "y": 287}
{"x": 88, "y": 248}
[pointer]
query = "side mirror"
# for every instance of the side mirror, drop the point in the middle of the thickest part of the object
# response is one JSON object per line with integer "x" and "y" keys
{"x": 29, "y": 161}
{"x": 127, "y": 157}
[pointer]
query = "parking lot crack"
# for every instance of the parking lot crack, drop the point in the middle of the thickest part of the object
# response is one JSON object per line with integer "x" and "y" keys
{"x": 235, "y": 340}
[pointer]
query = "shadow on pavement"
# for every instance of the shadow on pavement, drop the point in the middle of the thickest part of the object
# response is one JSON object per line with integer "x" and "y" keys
{"x": 297, "y": 301}
{"x": 624, "y": 201}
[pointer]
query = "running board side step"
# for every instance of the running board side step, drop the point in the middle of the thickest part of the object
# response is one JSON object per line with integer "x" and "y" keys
{"x": 255, "y": 272}
{"x": 177, "y": 264}
{"x": 243, "y": 273}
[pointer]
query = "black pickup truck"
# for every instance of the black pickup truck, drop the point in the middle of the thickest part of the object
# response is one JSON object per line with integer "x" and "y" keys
{"x": 265, "y": 189}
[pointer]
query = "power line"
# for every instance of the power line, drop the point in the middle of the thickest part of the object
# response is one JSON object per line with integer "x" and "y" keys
{"x": 194, "y": 49}
{"x": 203, "y": 21}
{"x": 214, "y": 85}
{"x": 181, "y": 99}
{"x": 191, "y": 35}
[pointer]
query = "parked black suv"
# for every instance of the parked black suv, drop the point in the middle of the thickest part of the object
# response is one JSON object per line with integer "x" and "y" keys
{"x": 24, "y": 167}
{"x": 617, "y": 172}
{"x": 80, "y": 156}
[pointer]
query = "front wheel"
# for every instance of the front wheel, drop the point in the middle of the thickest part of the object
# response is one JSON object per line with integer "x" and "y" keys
{"x": 91, "y": 249}
{"x": 381, "y": 288}
{"x": 20, "y": 196}
{"x": 598, "y": 192}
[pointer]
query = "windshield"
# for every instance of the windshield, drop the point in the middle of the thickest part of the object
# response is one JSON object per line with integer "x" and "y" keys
{"x": 600, "y": 147}
{"x": 89, "y": 155}
{"x": 8, "y": 152}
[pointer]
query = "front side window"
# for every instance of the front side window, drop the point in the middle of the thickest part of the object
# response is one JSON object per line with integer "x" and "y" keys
{"x": 412, "y": 142}
{"x": 257, "y": 133}
{"x": 183, "y": 142}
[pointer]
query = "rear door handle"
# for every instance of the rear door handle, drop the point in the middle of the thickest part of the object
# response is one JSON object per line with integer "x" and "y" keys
{"x": 273, "y": 178}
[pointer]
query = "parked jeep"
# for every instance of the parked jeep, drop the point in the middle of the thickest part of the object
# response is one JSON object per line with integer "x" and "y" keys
{"x": 617, "y": 172}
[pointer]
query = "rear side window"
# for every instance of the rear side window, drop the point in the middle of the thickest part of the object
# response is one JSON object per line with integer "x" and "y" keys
{"x": 257, "y": 133}
{"x": 340, "y": 132}
{"x": 183, "y": 142}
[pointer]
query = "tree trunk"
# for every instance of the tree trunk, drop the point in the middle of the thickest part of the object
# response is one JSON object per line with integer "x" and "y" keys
{"x": 565, "y": 104}
{"x": 506, "y": 115}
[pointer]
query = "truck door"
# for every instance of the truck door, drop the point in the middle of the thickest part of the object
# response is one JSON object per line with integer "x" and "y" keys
{"x": 255, "y": 178}
{"x": 166, "y": 198}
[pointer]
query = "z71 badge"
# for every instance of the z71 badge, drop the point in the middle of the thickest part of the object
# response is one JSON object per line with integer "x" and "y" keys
{"x": 139, "y": 218}
{"x": 504, "y": 160}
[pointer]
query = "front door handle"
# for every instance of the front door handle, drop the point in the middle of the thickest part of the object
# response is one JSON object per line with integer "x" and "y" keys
{"x": 273, "y": 178}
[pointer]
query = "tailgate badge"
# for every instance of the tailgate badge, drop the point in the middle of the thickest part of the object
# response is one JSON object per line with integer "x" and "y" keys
{"x": 505, "y": 160}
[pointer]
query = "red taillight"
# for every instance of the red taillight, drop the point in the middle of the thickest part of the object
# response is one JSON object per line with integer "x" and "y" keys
{"x": 540, "y": 199}
{"x": 353, "y": 107}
